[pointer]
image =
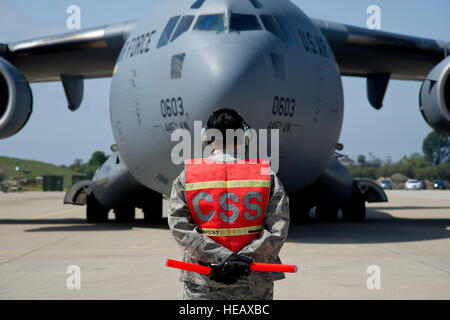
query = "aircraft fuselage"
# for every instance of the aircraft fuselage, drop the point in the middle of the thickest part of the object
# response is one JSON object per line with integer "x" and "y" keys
{"x": 181, "y": 63}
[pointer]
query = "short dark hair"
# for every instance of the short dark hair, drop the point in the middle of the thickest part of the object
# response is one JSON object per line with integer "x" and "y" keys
{"x": 223, "y": 119}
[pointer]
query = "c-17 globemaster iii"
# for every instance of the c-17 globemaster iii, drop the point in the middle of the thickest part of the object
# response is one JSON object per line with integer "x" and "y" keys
{"x": 267, "y": 59}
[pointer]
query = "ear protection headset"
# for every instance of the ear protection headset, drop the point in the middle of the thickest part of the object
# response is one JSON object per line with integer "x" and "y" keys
{"x": 245, "y": 127}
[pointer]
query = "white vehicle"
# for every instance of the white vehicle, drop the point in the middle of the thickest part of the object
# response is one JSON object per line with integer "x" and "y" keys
{"x": 386, "y": 184}
{"x": 413, "y": 184}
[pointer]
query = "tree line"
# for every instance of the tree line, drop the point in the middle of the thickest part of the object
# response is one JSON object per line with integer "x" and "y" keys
{"x": 433, "y": 164}
{"x": 88, "y": 169}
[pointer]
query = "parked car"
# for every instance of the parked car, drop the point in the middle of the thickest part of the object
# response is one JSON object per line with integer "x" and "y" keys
{"x": 423, "y": 185}
{"x": 439, "y": 184}
{"x": 413, "y": 184}
{"x": 386, "y": 184}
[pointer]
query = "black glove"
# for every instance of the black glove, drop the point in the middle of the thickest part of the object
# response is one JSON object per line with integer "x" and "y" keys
{"x": 234, "y": 267}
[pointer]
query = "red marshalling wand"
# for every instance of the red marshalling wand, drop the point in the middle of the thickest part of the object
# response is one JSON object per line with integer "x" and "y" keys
{"x": 267, "y": 267}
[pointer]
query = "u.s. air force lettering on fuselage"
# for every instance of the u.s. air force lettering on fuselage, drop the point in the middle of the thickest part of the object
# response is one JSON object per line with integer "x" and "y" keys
{"x": 314, "y": 44}
{"x": 136, "y": 46}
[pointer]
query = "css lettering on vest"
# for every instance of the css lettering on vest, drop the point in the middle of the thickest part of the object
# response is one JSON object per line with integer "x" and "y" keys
{"x": 228, "y": 200}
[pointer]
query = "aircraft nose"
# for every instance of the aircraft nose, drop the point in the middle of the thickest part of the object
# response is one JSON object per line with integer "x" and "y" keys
{"x": 232, "y": 75}
{"x": 248, "y": 77}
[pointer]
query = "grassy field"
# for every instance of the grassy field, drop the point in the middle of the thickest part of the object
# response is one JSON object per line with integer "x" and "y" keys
{"x": 29, "y": 170}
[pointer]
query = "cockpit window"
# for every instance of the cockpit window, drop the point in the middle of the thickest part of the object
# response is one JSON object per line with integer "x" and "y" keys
{"x": 244, "y": 22}
{"x": 197, "y": 4}
{"x": 286, "y": 30}
{"x": 271, "y": 25}
{"x": 256, "y": 4}
{"x": 183, "y": 26}
{"x": 210, "y": 22}
{"x": 165, "y": 36}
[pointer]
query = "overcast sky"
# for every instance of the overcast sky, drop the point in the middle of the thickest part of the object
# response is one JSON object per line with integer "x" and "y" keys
{"x": 56, "y": 135}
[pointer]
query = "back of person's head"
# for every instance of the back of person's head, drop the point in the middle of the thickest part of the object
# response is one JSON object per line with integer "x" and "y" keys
{"x": 226, "y": 118}
{"x": 222, "y": 120}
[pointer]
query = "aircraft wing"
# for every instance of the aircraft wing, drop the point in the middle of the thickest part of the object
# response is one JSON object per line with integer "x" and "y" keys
{"x": 364, "y": 52}
{"x": 89, "y": 53}
{"x": 92, "y": 53}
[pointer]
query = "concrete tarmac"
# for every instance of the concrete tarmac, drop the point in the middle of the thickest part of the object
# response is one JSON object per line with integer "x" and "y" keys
{"x": 402, "y": 251}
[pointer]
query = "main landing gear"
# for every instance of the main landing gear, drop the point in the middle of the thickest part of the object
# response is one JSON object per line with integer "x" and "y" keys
{"x": 152, "y": 209}
{"x": 354, "y": 210}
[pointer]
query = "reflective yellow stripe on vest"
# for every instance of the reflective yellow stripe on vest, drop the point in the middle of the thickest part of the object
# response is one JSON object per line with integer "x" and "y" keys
{"x": 228, "y": 184}
{"x": 230, "y": 232}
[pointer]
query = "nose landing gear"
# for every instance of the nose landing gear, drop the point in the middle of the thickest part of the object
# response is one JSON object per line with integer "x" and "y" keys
{"x": 95, "y": 211}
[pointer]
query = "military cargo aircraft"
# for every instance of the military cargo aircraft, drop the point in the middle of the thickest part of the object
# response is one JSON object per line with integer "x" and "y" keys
{"x": 279, "y": 68}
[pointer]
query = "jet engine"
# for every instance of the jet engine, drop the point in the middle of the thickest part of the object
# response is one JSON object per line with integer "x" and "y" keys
{"x": 435, "y": 97}
{"x": 16, "y": 100}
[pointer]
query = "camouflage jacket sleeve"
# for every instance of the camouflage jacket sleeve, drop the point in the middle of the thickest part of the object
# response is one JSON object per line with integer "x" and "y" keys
{"x": 267, "y": 247}
{"x": 195, "y": 245}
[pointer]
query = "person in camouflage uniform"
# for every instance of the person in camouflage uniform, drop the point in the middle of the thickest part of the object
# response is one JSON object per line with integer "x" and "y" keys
{"x": 201, "y": 249}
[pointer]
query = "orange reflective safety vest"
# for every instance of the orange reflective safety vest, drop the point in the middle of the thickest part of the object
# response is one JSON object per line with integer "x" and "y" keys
{"x": 228, "y": 200}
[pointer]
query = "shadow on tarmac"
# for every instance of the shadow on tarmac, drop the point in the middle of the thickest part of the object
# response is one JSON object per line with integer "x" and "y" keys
{"x": 410, "y": 208}
{"x": 62, "y": 225}
{"x": 380, "y": 227}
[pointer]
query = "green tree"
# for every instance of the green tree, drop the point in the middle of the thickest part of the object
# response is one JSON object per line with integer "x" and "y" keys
{"x": 97, "y": 159}
{"x": 415, "y": 166}
{"x": 89, "y": 168}
{"x": 78, "y": 162}
{"x": 361, "y": 159}
{"x": 436, "y": 148}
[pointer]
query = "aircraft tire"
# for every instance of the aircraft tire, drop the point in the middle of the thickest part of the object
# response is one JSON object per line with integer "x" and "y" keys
{"x": 153, "y": 209}
{"x": 95, "y": 211}
{"x": 326, "y": 213}
{"x": 298, "y": 211}
{"x": 125, "y": 214}
{"x": 356, "y": 208}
